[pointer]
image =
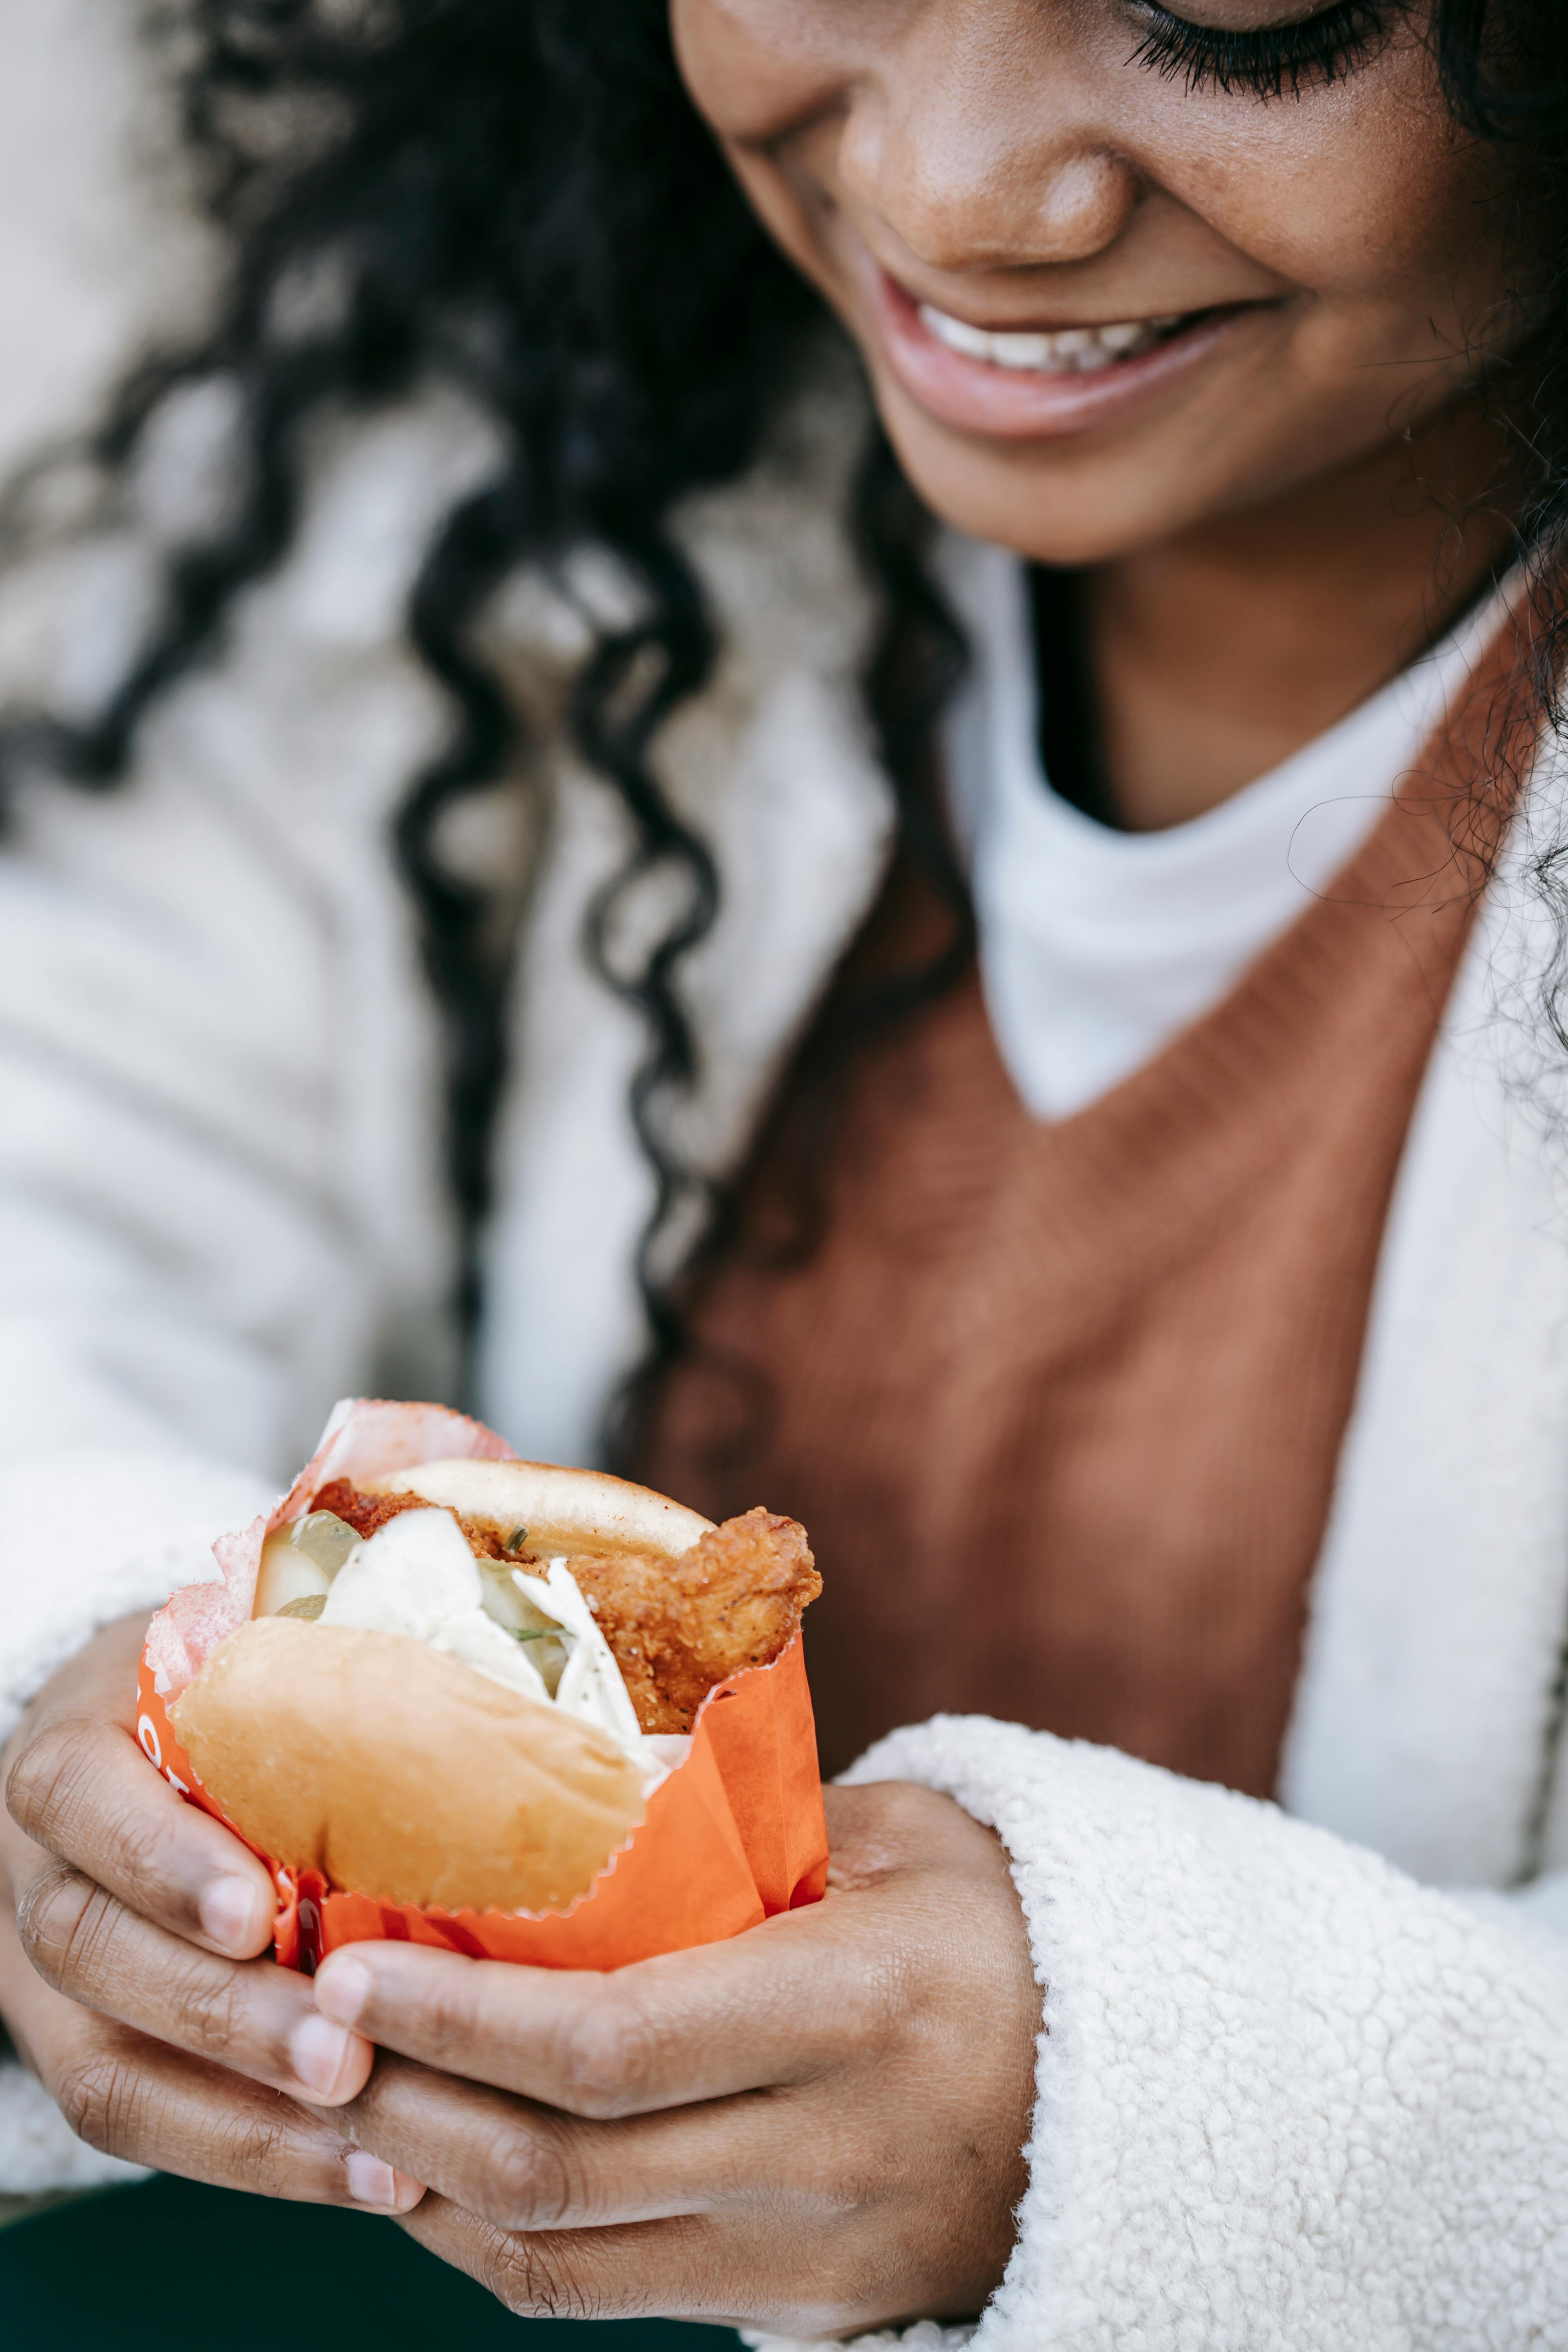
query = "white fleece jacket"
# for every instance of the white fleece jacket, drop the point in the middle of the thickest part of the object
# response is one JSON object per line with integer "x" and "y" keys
{"x": 1291, "y": 2093}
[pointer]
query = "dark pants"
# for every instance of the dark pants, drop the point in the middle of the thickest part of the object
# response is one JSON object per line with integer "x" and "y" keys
{"x": 173, "y": 2267}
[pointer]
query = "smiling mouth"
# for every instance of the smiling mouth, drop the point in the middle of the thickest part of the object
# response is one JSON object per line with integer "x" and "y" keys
{"x": 1070, "y": 351}
{"x": 1040, "y": 382}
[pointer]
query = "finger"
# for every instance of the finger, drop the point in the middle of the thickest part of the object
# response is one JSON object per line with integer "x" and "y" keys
{"x": 80, "y": 1786}
{"x": 781, "y": 2004}
{"x": 526, "y": 2166}
{"x": 134, "y": 2097}
{"x": 777, "y": 2005}
{"x": 732, "y": 2274}
{"x": 251, "y": 2016}
{"x": 650, "y": 2270}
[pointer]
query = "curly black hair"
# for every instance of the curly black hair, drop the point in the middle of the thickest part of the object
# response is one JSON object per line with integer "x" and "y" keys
{"x": 521, "y": 200}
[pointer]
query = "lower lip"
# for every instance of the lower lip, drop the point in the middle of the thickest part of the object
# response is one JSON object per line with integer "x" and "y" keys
{"x": 1017, "y": 405}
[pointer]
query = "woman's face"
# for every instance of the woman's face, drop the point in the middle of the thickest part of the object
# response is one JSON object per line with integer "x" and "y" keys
{"x": 1205, "y": 296}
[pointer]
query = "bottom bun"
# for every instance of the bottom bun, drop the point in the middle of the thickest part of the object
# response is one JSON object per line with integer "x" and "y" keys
{"x": 402, "y": 1774}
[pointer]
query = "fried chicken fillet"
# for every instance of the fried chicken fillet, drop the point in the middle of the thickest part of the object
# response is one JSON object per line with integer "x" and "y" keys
{"x": 677, "y": 1623}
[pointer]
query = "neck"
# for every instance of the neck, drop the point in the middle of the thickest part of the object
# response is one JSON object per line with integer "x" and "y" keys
{"x": 1216, "y": 655}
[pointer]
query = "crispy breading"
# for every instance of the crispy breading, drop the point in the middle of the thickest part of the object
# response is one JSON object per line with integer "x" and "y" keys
{"x": 368, "y": 1513}
{"x": 679, "y": 1626}
{"x": 676, "y": 1624}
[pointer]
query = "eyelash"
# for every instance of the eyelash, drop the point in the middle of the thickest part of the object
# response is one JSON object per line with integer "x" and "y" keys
{"x": 1272, "y": 63}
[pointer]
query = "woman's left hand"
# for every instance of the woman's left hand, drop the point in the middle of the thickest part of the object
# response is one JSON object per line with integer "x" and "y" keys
{"x": 816, "y": 2128}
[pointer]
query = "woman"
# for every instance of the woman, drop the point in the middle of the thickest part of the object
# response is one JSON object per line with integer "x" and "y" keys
{"x": 1115, "y": 1213}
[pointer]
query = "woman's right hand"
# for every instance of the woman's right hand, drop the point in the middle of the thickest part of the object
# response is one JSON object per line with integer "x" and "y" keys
{"x": 132, "y": 1980}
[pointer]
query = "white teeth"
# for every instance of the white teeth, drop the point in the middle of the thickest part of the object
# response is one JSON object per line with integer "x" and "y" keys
{"x": 1073, "y": 351}
{"x": 973, "y": 342}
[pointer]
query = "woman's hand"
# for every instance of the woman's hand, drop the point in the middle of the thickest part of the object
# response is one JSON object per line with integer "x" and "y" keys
{"x": 146, "y": 2011}
{"x": 815, "y": 2128}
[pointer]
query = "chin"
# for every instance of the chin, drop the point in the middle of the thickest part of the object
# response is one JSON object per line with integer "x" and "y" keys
{"x": 1071, "y": 507}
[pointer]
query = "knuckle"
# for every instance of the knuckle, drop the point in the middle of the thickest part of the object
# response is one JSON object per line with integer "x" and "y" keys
{"x": 146, "y": 1833}
{"x": 534, "y": 2281}
{"x": 97, "y": 2098}
{"x": 608, "y": 2055}
{"x": 205, "y": 2003}
{"x": 450, "y": 2019}
{"x": 844, "y": 2289}
{"x": 855, "y": 2189}
{"x": 263, "y": 2150}
{"x": 529, "y": 2178}
{"x": 45, "y": 1779}
{"x": 867, "y": 2010}
{"x": 54, "y": 1921}
{"x": 64, "y": 1790}
{"x": 900, "y": 1816}
{"x": 909, "y": 1801}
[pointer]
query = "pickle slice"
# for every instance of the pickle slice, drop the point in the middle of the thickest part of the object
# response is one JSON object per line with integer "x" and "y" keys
{"x": 323, "y": 1538}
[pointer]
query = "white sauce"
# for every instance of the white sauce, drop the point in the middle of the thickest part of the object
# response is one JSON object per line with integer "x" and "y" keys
{"x": 417, "y": 1576}
{"x": 591, "y": 1685}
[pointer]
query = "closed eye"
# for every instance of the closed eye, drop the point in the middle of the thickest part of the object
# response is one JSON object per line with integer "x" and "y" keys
{"x": 1275, "y": 60}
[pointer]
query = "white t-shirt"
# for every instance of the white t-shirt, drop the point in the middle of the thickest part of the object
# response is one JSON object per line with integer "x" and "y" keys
{"x": 1097, "y": 947}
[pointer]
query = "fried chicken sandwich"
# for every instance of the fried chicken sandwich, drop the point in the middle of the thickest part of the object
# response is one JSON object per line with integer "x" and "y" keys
{"x": 462, "y": 1682}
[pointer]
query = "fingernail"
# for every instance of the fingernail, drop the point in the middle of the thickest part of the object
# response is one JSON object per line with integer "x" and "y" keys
{"x": 343, "y": 1988}
{"x": 318, "y": 2051}
{"x": 371, "y": 2183}
{"x": 230, "y": 1911}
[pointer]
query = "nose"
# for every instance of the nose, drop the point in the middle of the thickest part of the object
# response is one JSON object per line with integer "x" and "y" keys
{"x": 973, "y": 166}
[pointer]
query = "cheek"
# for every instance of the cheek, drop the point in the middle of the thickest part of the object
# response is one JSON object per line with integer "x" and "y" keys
{"x": 767, "y": 77}
{"x": 1365, "y": 202}
{"x": 754, "y": 68}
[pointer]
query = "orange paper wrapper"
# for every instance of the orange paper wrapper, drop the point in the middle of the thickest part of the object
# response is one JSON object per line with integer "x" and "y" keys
{"x": 735, "y": 1834}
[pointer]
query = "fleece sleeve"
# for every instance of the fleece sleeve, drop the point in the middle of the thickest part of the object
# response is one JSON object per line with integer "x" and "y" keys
{"x": 184, "y": 1284}
{"x": 1287, "y": 2099}
{"x": 187, "y": 1275}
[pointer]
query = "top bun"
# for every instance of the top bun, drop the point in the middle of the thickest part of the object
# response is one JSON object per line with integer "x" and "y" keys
{"x": 564, "y": 1510}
